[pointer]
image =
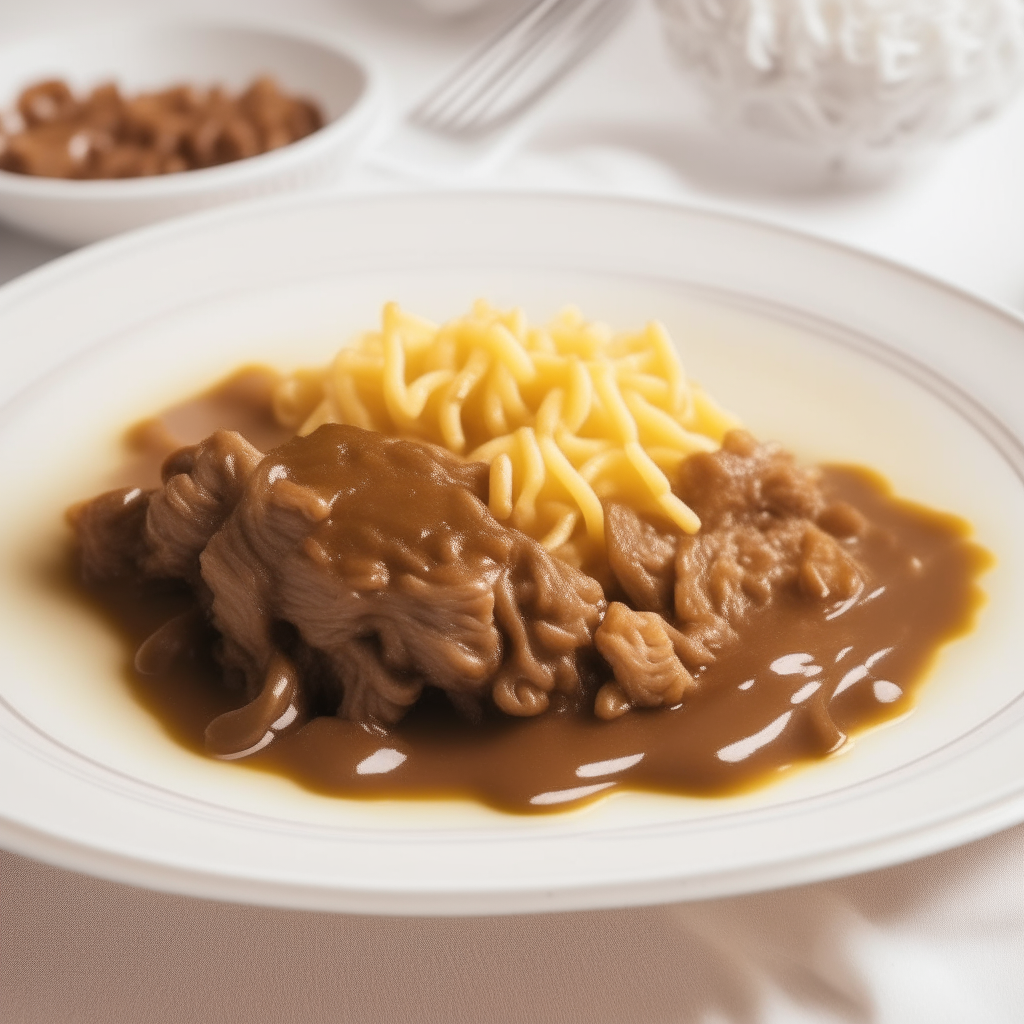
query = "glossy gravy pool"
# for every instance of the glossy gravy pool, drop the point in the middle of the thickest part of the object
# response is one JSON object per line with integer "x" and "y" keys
{"x": 799, "y": 681}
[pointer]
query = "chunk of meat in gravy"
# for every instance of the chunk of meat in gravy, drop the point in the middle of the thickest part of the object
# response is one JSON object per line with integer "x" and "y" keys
{"x": 548, "y": 611}
{"x": 766, "y": 529}
{"x": 759, "y": 537}
{"x": 345, "y": 571}
{"x": 202, "y": 485}
{"x": 109, "y": 530}
{"x": 640, "y": 557}
{"x": 648, "y": 673}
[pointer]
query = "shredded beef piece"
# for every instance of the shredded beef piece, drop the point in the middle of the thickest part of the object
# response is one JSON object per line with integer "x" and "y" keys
{"x": 758, "y": 538}
{"x": 766, "y": 529}
{"x": 350, "y": 570}
{"x": 548, "y": 611}
{"x": 640, "y": 557}
{"x": 202, "y": 485}
{"x": 648, "y": 673}
{"x": 109, "y": 530}
{"x": 746, "y": 480}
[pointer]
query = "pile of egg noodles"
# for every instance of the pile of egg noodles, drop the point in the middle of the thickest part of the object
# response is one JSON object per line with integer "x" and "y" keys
{"x": 567, "y": 415}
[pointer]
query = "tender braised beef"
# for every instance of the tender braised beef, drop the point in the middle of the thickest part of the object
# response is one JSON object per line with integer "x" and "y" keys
{"x": 641, "y": 557}
{"x": 766, "y": 529}
{"x": 648, "y": 672}
{"x": 348, "y": 570}
{"x": 759, "y": 536}
{"x": 110, "y": 530}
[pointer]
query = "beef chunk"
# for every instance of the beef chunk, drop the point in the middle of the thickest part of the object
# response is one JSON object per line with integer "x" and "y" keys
{"x": 202, "y": 485}
{"x": 548, "y": 610}
{"x": 110, "y": 533}
{"x": 641, "y": 557}
{"x": 766, "y": 529}
{"x": 759, "y": 537}
{"x": 648, "y": 673}
{"x": 352, "y": 569}
{"x": 746, "y": 480}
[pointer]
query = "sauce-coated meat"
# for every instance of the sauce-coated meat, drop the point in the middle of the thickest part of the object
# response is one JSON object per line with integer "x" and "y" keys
{"x": 766, "y": 529}
{"x": 348, "y": 570}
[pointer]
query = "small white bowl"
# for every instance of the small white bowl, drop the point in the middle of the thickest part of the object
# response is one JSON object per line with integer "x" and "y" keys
{"x": 141, "y": 55}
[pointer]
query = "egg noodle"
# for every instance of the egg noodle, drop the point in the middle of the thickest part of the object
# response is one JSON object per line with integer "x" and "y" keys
{"x": 567, "y": 416}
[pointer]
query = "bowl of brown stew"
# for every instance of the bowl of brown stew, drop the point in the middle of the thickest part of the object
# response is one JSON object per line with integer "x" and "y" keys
{"x": 110, "y": 128}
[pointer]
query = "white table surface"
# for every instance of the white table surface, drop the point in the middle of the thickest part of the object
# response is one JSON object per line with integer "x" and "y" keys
{"x": 934, "y": 941}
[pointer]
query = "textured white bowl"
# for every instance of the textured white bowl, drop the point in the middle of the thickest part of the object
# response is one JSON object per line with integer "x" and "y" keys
{"x": 155, "y": 54}
{"x": 850, "y": 76}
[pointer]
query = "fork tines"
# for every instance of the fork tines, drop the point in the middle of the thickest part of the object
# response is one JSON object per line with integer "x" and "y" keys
{"x": 516, "y": 67}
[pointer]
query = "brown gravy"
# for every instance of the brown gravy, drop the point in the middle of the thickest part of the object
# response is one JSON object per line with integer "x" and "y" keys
{"x": 799, "y": 681}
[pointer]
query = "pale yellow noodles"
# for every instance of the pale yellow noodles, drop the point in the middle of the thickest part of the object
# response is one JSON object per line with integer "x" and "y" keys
{"x": 569, "y": 416}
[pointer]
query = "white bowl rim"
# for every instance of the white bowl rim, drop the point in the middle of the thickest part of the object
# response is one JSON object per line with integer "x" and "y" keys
{"x": 236, "y": 171}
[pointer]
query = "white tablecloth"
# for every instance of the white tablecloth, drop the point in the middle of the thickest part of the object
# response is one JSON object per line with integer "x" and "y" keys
{"x": 939, "y": 940}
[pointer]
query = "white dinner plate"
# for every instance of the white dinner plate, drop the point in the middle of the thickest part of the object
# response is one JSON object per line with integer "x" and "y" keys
{"x": 840, "y": 356}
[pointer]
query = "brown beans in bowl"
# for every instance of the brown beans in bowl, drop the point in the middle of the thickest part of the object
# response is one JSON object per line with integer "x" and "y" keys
{"x": 55, "y": 134}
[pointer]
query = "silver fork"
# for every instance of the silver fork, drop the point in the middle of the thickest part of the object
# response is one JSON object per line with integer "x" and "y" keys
{"x": 525, "y": 59}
